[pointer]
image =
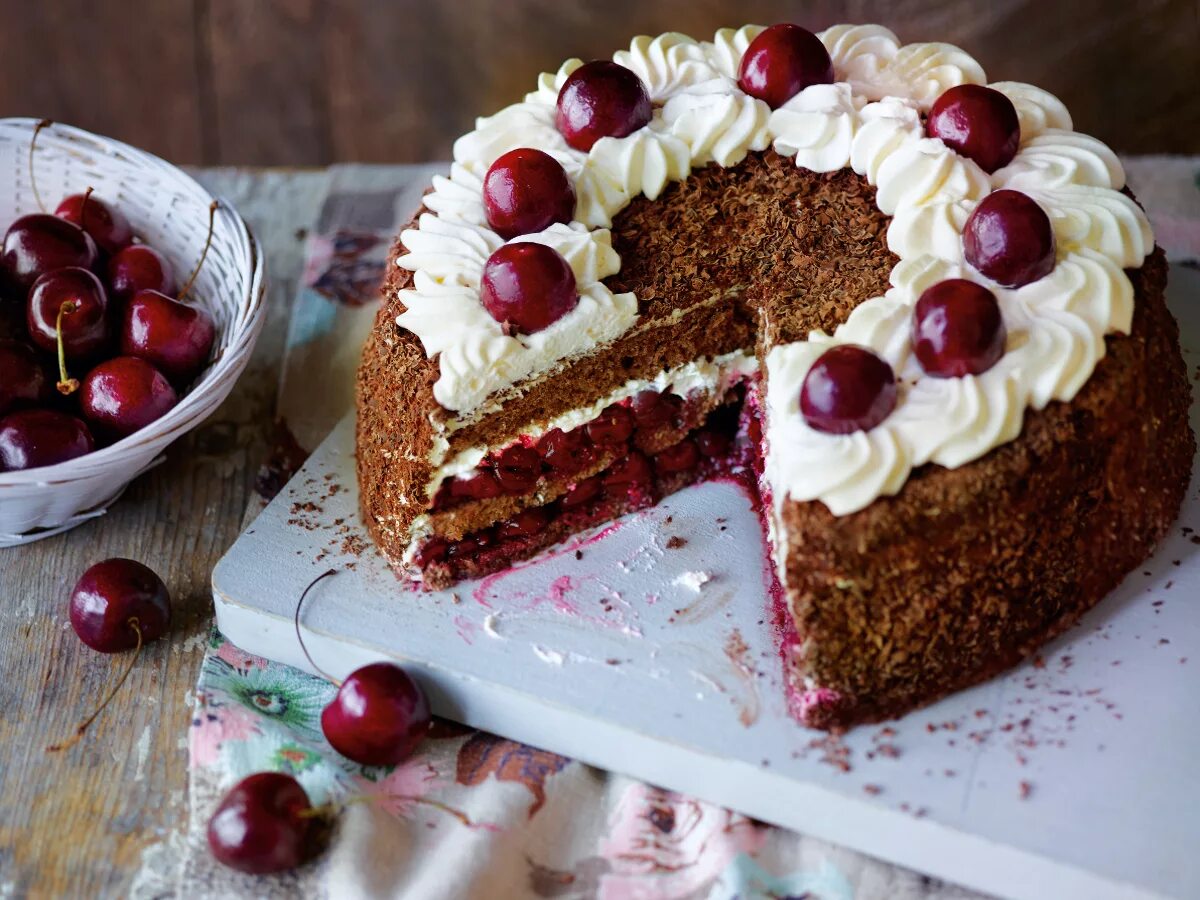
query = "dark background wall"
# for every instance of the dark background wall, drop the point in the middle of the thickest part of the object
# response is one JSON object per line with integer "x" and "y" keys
{"x": 306, "y": 82}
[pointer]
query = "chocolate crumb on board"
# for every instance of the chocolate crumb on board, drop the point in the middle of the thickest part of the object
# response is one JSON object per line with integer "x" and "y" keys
{"x": 1026, "y": 790}
{"x": 675, "y": 542}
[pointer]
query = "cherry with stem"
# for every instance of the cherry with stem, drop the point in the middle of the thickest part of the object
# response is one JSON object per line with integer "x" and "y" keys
{"x": 37, "y": 129}
{"x": 66, "y": 384}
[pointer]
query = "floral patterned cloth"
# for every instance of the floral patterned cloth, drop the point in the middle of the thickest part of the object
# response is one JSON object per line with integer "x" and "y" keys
{"x": 471, "y": 814}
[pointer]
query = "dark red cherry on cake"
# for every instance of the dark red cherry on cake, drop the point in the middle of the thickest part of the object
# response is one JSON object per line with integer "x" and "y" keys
{"x": 517, "y": 468}
{"x": 528, "y": 286}
{"x": 681, "y": 457}
{"x": 713, "y": 443}
{"x": 139, "y": 267}
{"x": 601, "y": 99}
{"x": 629, "y": 472}
{"x": 526, "y": 191}
{"x": 32, "y": 438}
{"x": 264, "y": 825}
{"x": 176, "y": 338}
{"x": 781, "y": 62}
{"x": 23, "y": 380}
{"x": 957, "y": 329}
{"x": 106, "y": 224}
{"x": 1008, "y": 238}
{"x": 479, "y": 486}
{"x": 566, "y": 452}
{"x": 526, "y": 523}
{"x": 652, "y": 409}
{"x": 40, "y": 243}
{"x": 71, "y": 300}
{"x": 378, "y": 716}
{"x": 582, "y": 493}
{"x": 849, "y": 388}
{"x": 614, "y": 426}
{"x": 977, "y": 122}
{"x": 114, "y": 600}
{"x": 125, "y": 394}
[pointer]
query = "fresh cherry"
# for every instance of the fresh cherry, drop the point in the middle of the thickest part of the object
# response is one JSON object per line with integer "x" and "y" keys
{"x": 977, "y": 122}
{"x": 40, "y": 243}
{"x": 1009, "y": 239}
{"x": 612, "y": 427}
{"x": 139, "y": 267}
{"x": 517, "y": 468}
{"x": 566, "y": 452}
{"x": 23, "y": 381}
{"x": 849, "y": 388}
{"x": 32, "y": 438}
{"x": 125, "y": 394}
{"x": 601, "y": 99}
{"x": 526, "y": 523}
{"x": 957, "y": 329}
{"x": 582, "y": 493}
{"x": 781, "y": 62}
{"x": 528, "y": 286}
{"x": 378, "y": 716}
{"x": 115, "y": 601}
{"x": 106, "y": 224}
{"x": 526, "y": 191}
{"x": 175, "y": 337}
{"x": 681, "y": 457}
{"x": 265, "y": 824}
{"x": 629, "y": 472}
{"x": 117, "y": 605}
{"x": 67, "y": 309}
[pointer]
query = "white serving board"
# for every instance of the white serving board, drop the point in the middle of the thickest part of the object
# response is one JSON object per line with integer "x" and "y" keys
{"x": 1076, "y": 775}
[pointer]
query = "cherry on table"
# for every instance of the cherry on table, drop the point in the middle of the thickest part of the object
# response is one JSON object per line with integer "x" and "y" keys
{"x": 977, "y": 122}
{"x": 849, "y": 388}
{"x": 265, "y": 824}
{"x": 125, "y": 394}
{"x": 139, "y": 267}
{"x": 601, "y": 99}
{"x": 781, "y": 62}
{"x": 40, "y": 243}
{"x": 115, "y": 601}
{"x": 378, "y": 716}
{"x": 957, "y": 329}
{"x": 23, "y": 380}
{"x": 528, "y": 286}
{"x": 526, "y": 191}
{"x": 68, "y": 306}
{"x": 1008, "y": 237}
{"x": 106, "y": 224}
{"x": 32, "y": 438}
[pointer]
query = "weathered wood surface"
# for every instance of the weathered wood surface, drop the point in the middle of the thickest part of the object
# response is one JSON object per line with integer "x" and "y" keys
{"x": 305, "y": 82}
{"x": 75, "y": 824}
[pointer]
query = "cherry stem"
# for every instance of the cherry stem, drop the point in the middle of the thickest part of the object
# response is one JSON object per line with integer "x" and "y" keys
{"x": 37, "y": 129}
{"x": 300, "y": 637}
{"x": 333, "y": 808}
{"x": 83, "y": 208}
{"x": 86, "y": 723}
{"x": 66, "y": 384}
{"x": 212, "y": 215}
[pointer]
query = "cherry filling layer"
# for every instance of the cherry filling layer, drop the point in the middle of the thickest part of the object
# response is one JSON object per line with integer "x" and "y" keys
{"x": 642, "y": 471}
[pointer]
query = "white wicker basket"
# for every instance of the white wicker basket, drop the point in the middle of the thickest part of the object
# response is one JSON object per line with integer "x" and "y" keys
{"x": 169, "y": 210}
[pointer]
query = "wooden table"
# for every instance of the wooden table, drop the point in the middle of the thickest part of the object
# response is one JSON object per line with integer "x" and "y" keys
{"x": 76, "y": 823}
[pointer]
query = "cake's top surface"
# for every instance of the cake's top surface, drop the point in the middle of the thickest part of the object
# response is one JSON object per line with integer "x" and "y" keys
{"x": 873, "y": 120}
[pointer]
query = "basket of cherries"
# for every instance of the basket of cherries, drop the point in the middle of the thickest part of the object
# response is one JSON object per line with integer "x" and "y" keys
{"x": 130, "y": 301}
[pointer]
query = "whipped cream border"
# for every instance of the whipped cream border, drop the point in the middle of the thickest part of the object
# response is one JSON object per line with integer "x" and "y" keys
{"x": 869, "y": 120}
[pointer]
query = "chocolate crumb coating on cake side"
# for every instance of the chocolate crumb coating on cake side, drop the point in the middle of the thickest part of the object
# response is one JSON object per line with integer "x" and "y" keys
{"x": 957, "y": 577}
